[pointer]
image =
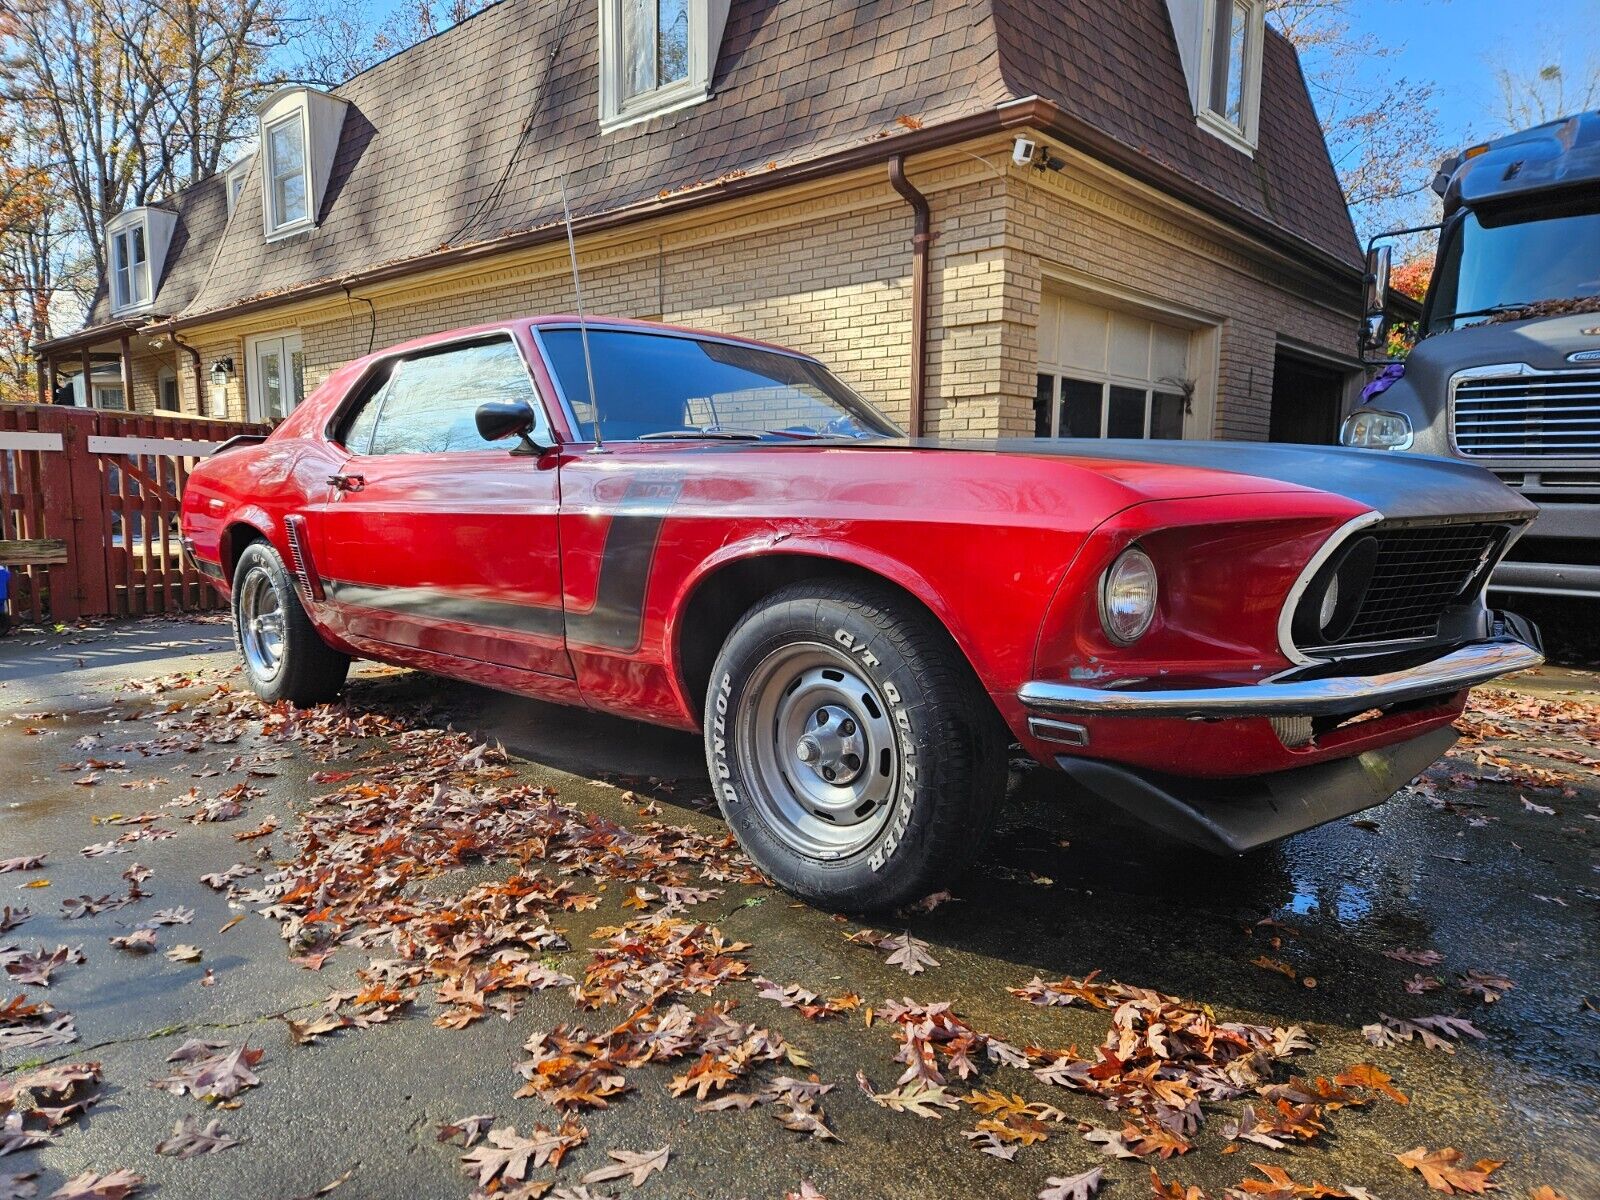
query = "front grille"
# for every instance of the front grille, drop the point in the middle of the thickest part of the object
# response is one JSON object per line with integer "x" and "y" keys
{"x": 1419, "y": 572}
{"x": 1551, "y": 415}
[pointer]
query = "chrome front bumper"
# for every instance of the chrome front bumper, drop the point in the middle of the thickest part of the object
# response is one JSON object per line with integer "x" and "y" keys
{"x": 1289, "y": 694}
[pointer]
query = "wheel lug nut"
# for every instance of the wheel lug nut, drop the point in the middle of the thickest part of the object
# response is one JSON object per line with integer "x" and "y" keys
{"x": 827, "y": 773}
{"x": 822, "y": 716}
{"x": 847, "y": 728}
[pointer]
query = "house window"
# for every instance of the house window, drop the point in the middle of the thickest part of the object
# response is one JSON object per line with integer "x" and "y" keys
{"x": 109, "y": 395}
{"x": 1108, "y": 373}
{"x": 1231, "y": 78}
{"x": 275, "y": 376}
{"x": 656, "y": 56}
{"x": 130, "y": 268}
{"x": 234, "y": 179}
{"x": 286, "y": 164}
{"x": 655, "y": 44}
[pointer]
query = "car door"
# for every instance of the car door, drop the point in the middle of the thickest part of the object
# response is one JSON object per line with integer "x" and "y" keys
{"x": 431, "y": 538}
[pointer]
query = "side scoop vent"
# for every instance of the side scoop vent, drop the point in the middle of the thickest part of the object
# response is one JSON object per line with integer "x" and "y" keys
{"x": 300, "y": 559}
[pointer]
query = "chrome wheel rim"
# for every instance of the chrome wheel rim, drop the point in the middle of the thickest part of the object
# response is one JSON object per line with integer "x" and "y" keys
{"x": 817, "y": 744}
{"x": 261, "y": 625}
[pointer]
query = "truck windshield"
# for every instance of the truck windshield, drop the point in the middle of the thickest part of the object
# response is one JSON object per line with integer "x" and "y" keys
{"x": 670, "y": 386}
{"x": 1488, "y": 267}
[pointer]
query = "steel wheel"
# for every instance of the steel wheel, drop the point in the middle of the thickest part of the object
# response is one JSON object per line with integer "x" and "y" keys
{"x": 818, "y": 745}
{"x": 261, "y": 626}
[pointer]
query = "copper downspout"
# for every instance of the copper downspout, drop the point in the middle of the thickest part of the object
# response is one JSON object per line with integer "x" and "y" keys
{"x": 199, "y": 374}
{"x": 920, "y": 240}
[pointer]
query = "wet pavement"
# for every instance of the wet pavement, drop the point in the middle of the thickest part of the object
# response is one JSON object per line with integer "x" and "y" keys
{"x": 1463, "y": 867}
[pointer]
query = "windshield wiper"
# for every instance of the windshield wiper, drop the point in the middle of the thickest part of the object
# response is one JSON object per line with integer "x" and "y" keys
{"x": 1488, "y": 312}
{"x": 693, "y": 435}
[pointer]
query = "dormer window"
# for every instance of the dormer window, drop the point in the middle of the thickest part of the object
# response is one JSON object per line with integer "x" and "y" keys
{"x": 136, "y": 247}
{"x": 130, "y": 269}
{"x": 286, "y": 169}
{"x": 299, "y": 135}
{"x": 234, "y": 179}
{"x": 656, "y": 56}
{"x": 1230, "y": 77}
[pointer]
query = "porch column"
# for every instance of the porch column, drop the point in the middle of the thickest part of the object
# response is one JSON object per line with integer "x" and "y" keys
{"x": 88, "y": 379}
{"x": 127, "y": 374}
{"x": 43, "y": 371}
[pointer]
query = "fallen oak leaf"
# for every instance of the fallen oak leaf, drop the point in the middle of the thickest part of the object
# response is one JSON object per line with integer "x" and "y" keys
{"x": 116, "y": 1186}
{"x": 183, "y": 952}
{"x": 918, "y": 1099}
{"x": 18, "y": 1185}
{"x": 1441, "y": 1172}
{"x": 190, "y": 1139}
{"x": 140, "y": 941}
{"x": 1485, "y": 984}
{"x": 1072, "y": 1187}
{"x": 469, "y": 1129}
{"x": 634, "y": 1165}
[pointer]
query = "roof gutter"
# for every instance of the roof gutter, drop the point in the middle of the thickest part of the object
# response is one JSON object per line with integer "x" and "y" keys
{"x": 1031, "y": 112}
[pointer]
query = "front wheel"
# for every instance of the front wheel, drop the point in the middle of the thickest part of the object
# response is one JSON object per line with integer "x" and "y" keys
{"x": 284, "y": 656}
{"x": 852, "y": 751}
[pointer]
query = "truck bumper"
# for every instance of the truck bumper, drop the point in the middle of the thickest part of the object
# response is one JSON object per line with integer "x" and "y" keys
{"x": 1232, "y": 816}
{"x": 1547, "y": 579}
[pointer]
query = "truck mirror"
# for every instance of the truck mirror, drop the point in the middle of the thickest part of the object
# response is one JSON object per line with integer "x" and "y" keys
{"x": 1375, "y": 326}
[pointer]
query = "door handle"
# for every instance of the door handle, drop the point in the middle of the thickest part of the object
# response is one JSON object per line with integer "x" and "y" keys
{"x": 347, "y": 483}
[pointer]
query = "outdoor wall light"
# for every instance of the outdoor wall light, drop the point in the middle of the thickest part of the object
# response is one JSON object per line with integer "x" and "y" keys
{"x": 221, "y": 371}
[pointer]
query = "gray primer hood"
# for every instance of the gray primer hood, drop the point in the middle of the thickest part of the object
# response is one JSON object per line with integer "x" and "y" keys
{"x": 1398, "y": 486}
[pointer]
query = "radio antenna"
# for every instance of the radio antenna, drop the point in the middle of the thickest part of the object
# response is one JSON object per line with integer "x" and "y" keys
{"x": 583, "y": 325}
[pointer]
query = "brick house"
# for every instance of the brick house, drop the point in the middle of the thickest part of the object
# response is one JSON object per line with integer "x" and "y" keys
{"x": 853, "y": 178}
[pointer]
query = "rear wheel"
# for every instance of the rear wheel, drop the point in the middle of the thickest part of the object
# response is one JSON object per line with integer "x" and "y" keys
{"x": 284, "y": 656}
{"x": 853, "y": 753}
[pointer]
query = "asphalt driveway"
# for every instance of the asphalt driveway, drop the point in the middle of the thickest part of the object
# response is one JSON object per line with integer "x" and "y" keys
{"x": 435, "y": 898}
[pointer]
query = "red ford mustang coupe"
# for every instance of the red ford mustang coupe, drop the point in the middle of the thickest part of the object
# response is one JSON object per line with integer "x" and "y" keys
{"x": 1234, "y": 642}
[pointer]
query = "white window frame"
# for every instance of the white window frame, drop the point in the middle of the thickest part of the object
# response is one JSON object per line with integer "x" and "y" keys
{"x": 288, "y": 343}
{"x": 164, "y": 376}
{"x": 276, "y": 226}
{"x": 619, "y": 110}
{"x": 234, "y": 177}
{"x": 1244, "y": 134}
{"x": 130, "y": 284}
{"x": 106, "y": 389}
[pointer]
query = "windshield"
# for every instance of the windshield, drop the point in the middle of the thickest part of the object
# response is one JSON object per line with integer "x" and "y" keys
{"x": 1489, "y": 266}
{"x": 655, "y": 386}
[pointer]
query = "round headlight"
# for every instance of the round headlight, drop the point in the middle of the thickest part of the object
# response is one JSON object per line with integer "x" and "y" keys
{"x": 1128, "y": 596}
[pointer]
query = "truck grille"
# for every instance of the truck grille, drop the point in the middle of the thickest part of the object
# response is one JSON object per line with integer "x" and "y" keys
{"x": 1540, "y": 415}
{"x": 1419, "y": 573}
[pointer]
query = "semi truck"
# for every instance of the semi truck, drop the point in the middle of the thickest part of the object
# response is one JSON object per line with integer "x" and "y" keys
{"x": 1506, "y": 370}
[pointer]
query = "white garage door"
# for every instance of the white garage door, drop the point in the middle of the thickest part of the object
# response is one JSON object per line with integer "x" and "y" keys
{"x": 1105, "y": 373}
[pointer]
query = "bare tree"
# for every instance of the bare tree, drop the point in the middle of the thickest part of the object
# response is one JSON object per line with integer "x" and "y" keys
{"x": 1383, "y": 131}
{"x": 1532, "y": 96}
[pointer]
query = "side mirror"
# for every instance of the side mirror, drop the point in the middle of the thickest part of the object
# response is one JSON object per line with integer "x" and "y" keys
{"x": 1375, "y": 301}
{"x": 499, "y": 419}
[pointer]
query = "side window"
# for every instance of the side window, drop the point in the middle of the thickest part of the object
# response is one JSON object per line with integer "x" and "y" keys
{"x": 355, "y": 428}
{"x": 430, "y": 403}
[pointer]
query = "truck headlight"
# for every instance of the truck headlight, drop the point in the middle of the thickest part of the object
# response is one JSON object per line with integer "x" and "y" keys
{"x": 1375, "y": 429}
{"x": 1128, "y": 596}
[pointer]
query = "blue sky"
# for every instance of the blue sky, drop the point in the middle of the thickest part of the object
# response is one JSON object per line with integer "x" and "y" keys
{"x": 1457, "y": 44}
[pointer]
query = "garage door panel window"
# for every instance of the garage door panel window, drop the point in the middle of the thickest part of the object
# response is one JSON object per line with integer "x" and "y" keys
{"x": 1109, "y": 373}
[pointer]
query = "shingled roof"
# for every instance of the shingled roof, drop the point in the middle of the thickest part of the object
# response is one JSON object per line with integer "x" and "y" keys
{"x": 464, "y": 138}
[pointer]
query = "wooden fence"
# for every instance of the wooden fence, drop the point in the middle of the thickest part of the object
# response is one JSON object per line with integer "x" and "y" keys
{"x": 89, "y": 510}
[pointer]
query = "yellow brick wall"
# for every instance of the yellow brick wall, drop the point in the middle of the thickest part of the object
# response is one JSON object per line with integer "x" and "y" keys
{"x": 829, "y": 275}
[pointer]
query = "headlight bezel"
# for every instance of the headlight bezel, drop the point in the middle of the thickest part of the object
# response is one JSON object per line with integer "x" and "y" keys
{"x": 1132, "y": 558}
{"x": 1377, "y": 429}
